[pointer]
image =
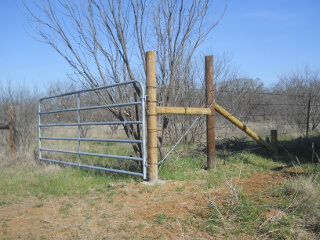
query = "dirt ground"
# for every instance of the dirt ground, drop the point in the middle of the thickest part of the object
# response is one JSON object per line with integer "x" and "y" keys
{"x": 175, "y": 210}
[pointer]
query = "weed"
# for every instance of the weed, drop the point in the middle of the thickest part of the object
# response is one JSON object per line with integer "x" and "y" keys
{"x": 281, "y": 229}
{"x": 141, "y": 225}
{"x": 102, "y": 224}
{"x": 4, "y": 224}
{"x": 161, "y": 218}
{"x": 148, "y": 189}
{"x": 181, "y": 188}
{"x": 104, "y": 216}
{"x": 124, "y": 226}
{"x": 87, "y": 215}
{"x": 245, "y": 213}
{"x": 38, "y": 205}
{"x": 65, "y": 208}
{"x": 110, "y": 200}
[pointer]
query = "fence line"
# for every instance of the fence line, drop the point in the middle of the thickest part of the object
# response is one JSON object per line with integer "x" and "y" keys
{"x": 11, "y": 127}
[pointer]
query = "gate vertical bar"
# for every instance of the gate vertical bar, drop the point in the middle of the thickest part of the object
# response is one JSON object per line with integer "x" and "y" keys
{"x": 211, "y": 148}
{"x": 144, "y": 144}
{"x": 152, "y": 116}
{"x": 79, "y": 130}
{"x": 39, "y": 129}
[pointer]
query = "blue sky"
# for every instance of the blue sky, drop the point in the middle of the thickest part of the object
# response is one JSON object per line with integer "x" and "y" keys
{"x": 266, "y": 37}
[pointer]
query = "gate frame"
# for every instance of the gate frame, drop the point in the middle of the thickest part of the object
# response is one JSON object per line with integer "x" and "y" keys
{"x": 79, "y": 139}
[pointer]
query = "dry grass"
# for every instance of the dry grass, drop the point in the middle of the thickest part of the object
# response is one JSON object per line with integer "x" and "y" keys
{"x": 232, "y": 202}
{"x": 303, "y": 194}
{"x": 21, "y": 159}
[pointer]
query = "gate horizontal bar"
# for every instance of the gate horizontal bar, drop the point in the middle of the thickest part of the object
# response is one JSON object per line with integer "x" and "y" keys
{"x": 93, "y": 89}
{"x": 92, "y": 154}
{"x": 58, "y": 111}
{"x": 111, "y": 105}
{"x": 92, "y": 167}
{"x": 90, "y": 123}
{"x": 93, "y": 107}
{"x": 183, "y": 111}
{"x": 93, "y": 139}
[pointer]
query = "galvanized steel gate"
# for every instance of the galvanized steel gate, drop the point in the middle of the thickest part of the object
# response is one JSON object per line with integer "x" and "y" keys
{"x": 78, "y": 109}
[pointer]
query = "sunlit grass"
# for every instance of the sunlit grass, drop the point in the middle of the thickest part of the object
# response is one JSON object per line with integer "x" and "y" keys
{"x": 43, "y": 181}
{"x": 228, "y": 167}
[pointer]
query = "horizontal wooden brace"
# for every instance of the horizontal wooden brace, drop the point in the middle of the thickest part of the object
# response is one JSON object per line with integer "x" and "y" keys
{"x": 183, "y": 111}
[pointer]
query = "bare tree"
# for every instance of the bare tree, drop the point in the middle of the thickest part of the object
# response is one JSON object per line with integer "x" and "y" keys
{"x": 300, "y": 90}
{"x": 24, "y": 102}
{"x": 105, "y": 41}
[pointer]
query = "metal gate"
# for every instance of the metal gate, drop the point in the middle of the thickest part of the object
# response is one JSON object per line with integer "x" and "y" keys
{"x": 79, "y": 139}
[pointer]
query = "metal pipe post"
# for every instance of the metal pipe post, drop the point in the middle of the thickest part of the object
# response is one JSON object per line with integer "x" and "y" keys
{"x": 39, "y": 131}
{"x": 144, "y": 145}
{"x": 79, "y": 127}
{"x": 152, "y": 117}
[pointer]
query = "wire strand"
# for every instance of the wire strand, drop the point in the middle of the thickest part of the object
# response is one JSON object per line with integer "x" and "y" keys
{"x": 180, "y": 139}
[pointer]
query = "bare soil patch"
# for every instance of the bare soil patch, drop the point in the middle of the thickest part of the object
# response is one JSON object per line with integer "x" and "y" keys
{"x": 175, "y": 210}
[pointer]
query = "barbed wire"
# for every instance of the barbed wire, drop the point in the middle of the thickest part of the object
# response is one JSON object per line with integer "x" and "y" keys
{"x": 185, "y": 134}
{"x": 235, "y": 91}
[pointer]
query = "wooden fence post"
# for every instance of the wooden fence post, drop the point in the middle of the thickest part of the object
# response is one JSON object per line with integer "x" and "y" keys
{"x": 211, "y": 146}
{"x": 274, "y": 141}
{"x": 152, "y": 117}
{"x": 12, "y": 132}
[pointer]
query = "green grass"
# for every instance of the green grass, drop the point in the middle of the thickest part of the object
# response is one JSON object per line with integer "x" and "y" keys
{"x": 192, "y": 168}
{"x": 120, "y": 149}
{"x": 237, "y": 214}
{"x": 161, "y": 218}
{"x": 295, "y": 203}
{"x": 43, "y": 181}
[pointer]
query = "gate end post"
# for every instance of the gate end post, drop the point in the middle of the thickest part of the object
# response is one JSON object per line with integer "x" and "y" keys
{"x": 152, "y": 117}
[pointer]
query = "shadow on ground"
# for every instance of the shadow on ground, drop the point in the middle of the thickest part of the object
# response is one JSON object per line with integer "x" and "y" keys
{"x": 291, "y": 151}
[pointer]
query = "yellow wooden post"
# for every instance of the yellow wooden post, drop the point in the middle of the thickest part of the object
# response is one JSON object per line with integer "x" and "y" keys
{"x": 152, "y": 117}
{"x": 211, "y": 146}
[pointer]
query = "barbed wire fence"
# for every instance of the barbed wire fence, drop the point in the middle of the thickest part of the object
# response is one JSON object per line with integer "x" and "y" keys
{"x": 292, "y": 115}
